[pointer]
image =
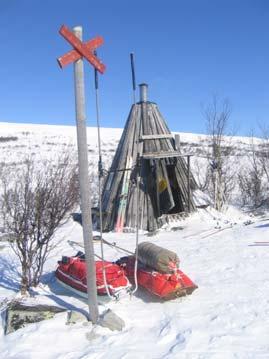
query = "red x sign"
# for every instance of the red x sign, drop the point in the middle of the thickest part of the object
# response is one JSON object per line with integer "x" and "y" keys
{"x": 81, "y": 50}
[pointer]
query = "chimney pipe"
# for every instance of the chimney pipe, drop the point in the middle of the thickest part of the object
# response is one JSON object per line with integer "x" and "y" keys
{"x": 143, "y": 92}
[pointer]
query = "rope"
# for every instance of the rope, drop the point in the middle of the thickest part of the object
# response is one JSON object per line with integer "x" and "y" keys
{"x": 81, "y": 245}
{"x": 100, "y": 175}
{"x": 113, "y": 245}
{"x": 137, "y": 179}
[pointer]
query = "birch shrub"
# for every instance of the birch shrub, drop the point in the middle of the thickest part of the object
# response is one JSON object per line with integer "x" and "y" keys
{"x": 36, "y": 198}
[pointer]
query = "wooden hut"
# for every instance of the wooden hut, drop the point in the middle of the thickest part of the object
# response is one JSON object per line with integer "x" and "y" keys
{"x": 146, "y": 161}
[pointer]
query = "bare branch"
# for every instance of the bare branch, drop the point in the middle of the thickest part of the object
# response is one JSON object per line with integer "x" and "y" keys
{"x": 220, "y": 180}
{"x": 35, "y": 202}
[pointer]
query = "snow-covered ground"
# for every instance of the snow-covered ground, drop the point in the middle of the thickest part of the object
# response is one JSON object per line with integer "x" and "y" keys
{"x": 226, "y": 317}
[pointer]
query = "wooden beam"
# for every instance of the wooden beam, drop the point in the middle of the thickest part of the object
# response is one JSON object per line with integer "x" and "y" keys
{"x": 177, "y": 141}
{"x": 156, "y": 136}
{"x": 159, "y": 155}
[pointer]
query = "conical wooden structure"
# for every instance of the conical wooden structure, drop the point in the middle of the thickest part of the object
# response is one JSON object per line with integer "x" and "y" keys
{"x": 146, "y": 161}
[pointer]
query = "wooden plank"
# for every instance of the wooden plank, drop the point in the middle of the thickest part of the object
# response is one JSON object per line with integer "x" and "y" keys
{"x": 143, "y": 147}
{"x": 162, "y": 120}
{"x": 177, "y": 141}
{"x": 131, "y": 213}
{"x": 81, "y": 48}
{"x": 120, "y": 170}
{"x": 155, "y": 147}
{"x": 180, "y": 182}
{"x": 160, "y": 155}
{"x": 151, "y": 145}
{"x": 144, "y": 217}
{"x": 156, "y": 136}
{"x": 73, "y": 55}
{"x": 153, "y": 208}
{"x": 132, "y": 220}
{"x": 167, "y": 144}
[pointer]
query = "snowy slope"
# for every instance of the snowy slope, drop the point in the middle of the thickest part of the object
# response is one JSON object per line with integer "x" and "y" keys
{"x": 226, "y": 317}
{"x": 17, "y": 141}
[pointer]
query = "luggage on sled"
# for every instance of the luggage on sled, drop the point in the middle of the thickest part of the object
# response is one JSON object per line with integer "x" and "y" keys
{"x": 164, "y": 285}
{"x": 71, "y": 273}
{"x": 158, "y": 258}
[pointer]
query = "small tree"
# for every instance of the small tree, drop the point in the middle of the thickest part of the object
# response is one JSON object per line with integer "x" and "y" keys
{"x": 251, "y": 178}
{"x": 217, "y": 117}
{"x": 264, "y": 155}
{"x": 35, "y": 201}
{"x": 201, "y": 173}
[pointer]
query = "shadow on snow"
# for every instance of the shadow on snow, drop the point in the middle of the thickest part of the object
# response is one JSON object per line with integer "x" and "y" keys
{"x": 9, "y": 275}
{"x": 262, "y": 225}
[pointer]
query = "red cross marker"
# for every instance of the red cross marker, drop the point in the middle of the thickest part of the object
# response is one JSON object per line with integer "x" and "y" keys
{"x": 81, "y": 50}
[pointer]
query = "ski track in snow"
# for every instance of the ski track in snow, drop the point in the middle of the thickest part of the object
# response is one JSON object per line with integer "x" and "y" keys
{"x": 226, "y": 317}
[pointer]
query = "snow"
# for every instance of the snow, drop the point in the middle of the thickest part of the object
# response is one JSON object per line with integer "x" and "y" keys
{"x": 226, "y": 317}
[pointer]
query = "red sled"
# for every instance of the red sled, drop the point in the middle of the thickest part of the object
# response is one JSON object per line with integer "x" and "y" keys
{"x": 71, "y": 273}
{"x": 165, "y": 286}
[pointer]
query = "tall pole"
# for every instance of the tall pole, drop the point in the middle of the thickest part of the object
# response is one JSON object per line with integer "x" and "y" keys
{"x": 133, "y": 75}
{"x": 85, "y": 200}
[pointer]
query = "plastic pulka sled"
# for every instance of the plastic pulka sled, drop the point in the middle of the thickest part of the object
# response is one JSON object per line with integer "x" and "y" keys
{"x": 158, "y": 271}
{"x": 71, "y": 273}
{"x": 164, "y": 285}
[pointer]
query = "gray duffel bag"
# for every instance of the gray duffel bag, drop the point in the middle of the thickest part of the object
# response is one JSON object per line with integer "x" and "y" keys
{"x": 158, "y": 258}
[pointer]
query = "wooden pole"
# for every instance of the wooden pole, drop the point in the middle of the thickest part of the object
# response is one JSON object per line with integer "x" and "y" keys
{"x": 177, "y": 141}
{"x": 189, "y": 184}
{"x": 85, "y": 200}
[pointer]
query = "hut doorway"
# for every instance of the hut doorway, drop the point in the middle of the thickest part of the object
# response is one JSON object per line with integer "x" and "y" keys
{"x": 163, "y": 188}
{"x": 175, "y": 189}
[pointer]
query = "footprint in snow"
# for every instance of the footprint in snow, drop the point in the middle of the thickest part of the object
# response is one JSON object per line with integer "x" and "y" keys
{"x": 180, "y": 342}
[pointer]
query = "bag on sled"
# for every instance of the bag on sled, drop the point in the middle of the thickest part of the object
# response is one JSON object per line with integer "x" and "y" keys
{"x": 163, "y": 285}
{"x": 158, "y": 258}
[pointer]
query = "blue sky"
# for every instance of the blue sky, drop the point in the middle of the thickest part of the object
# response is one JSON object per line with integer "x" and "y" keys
{"x": 185, "y": 50}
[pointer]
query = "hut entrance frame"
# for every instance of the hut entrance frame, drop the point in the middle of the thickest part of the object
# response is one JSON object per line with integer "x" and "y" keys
{"x": 167, "y": 201}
